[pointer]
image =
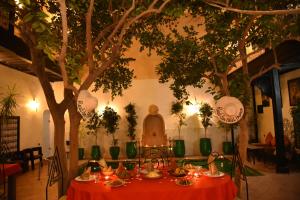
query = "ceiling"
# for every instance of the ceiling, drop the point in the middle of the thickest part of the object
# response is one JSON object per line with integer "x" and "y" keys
{"x": 10, "y": 59}
{"x": 15, "y": 54}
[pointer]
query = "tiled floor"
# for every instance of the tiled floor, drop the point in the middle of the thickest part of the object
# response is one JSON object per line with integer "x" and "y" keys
{"x": 271, "y": 186}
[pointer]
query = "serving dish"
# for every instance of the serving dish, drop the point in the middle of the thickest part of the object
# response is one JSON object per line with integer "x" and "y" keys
{"x": 219, "y": 174}
{"x": 80, "y": 179}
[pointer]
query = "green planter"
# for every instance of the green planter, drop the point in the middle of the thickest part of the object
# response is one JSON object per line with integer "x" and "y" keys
{"x": 205, "y": 146}
{"x": 80, "y": 153}
{"x": 96, "y": 153}
{"x": 94, "y": 165}
{"x": 114, "y": 152}
{"x": 179, "y": 148}
{"x": 227, "y": 148}
{"x": 131, "y": 150}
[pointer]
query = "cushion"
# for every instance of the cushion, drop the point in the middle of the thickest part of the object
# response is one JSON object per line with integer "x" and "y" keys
{"x": 269, "y": 139}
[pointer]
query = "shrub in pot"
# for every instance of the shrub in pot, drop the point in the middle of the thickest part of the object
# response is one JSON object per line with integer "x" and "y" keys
{"x": 205, "y": 113}
{"x": 226, "y": 145}
{"x": 110, "y": 121}
{"x": 82, "y": 132}
{"x": 93, "y": 125}
{"x": 131, "y": 150}
{"x": 179, "y": 146}
{"x": 295, "y": 112}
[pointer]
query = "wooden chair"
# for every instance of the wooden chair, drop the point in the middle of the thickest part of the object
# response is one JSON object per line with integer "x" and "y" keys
{"x": 55, "y": 173}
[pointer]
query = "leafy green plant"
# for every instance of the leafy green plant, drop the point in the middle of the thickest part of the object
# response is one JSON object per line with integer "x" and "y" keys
{"x": 227, "y": 128}
{"x": 205, "y": 112}
{"x": 93, "y": 124}
{"x": 131, "y": 119}
{"x": 8, "y": 103}
{"x": 295, "y": 112}
{"x": 176, "y": 110}
{"x": 110, "y": 121}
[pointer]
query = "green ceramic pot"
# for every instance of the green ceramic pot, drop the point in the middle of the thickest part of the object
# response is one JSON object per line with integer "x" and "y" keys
{"x": 205, "y": 146}
{"x": 130, "y": 165}
{"x": 96, "y": 153}
{"x": 80, "y": 153}
{"x": 179, "y": 148}
{"x": 131, "y": 150}
{"x": 227, "y": 148}
{"x": 114, "y": 152}
{"x": 94, "y": 165}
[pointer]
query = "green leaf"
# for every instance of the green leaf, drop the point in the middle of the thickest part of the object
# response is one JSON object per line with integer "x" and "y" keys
{"x": 35, "y": 25}
{"x": 28, "y": 17}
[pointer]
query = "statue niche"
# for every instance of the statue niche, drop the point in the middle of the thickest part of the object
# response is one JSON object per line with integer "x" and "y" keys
{"x": 154, "y": 129}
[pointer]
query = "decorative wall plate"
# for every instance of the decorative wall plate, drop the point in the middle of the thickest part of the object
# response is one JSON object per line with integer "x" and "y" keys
{"x": 229, "y": 110}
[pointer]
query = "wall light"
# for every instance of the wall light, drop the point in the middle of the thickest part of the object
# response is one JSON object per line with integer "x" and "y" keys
{"x": 100, "y": 109}
{"x": 192, "y": 109}
{"x": 33, "y": 105}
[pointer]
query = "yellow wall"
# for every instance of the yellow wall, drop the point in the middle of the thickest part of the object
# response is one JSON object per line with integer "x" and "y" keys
{"x": 27, "y": 87}
{"x": 265, "y": 119}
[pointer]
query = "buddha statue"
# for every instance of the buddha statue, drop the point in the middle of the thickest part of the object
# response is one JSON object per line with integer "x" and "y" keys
{"x": 154, "y": 128}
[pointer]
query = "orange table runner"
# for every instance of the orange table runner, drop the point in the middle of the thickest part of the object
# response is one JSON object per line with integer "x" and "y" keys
{"x": 204, "y": 188}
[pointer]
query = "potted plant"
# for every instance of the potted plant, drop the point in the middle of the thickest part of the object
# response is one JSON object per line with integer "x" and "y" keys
{"x": 8, "y": 103}
{"x": 93, "y": 124}
{"x": 227, "y": 145}
{"x": 179, "y": 146}
{"x": 131, "y": 117}
{"x": 81, "y": 133}
{"x": 205, "y": 113}
{"x": 295, "y": 112}
{"x": 110, "y": 121}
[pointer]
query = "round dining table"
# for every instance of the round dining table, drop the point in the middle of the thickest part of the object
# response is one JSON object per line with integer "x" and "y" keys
{"x": 203, "y": 188}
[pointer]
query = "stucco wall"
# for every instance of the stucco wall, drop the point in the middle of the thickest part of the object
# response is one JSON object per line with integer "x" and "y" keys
{"x": 265, "y": 119}
{"x": 143, "y": 93}
{"x": 27, "y": 87}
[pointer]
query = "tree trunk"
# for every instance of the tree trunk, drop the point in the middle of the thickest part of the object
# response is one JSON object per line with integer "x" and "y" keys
{"x": 75, "y": 118}
{"x": 243, "y": 137}
{"x": 59, "y": 142}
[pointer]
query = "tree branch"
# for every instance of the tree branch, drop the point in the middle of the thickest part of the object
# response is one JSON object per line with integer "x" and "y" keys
{"x": 117, "y": 28}
{"x": 102, "y": 34}
{"x": 247, "y": 56}
{"x": 253, "y": 12}
{"x": 63, "y": 53}
{"x": 150, "y": 9}
{"x": 89, "y": 47}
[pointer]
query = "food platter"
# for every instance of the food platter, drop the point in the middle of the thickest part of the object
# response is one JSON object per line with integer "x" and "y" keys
{"x": 219, "y": 174}
{"x": 90, "y": 178}
{"x": 115, "y": 183}
{"x": 178, "y": 172}
{"x": 184, "y": 182}
{"x": 153, "y": 175}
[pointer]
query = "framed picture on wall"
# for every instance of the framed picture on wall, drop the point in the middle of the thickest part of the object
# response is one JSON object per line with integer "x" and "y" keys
{"x": 294, "y": 91}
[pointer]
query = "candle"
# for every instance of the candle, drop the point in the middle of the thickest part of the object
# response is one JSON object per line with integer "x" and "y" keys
{"x": 106, "y": 178}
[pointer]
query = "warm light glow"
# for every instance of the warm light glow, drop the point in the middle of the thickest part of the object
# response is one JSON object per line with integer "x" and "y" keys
{"x": 192, "y": 109}
{"x": 100, "y": 109}
{"x": 33, "y": 105}
{"x": 19, "y": 4}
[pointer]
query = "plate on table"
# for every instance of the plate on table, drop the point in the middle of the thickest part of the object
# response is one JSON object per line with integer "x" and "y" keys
{"x": 115, "y": 183}
{"x": 153, "y": 175}
{"x": 80, "y": 179}
{"x": 178, "y": 172}
{"x": 184, "y": 182}
{"x": 219, "y": 174}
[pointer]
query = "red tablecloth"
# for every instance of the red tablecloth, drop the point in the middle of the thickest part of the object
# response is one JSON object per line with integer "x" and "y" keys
{"x": 204, "y": 188}
{"x": 10, "y": 169}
